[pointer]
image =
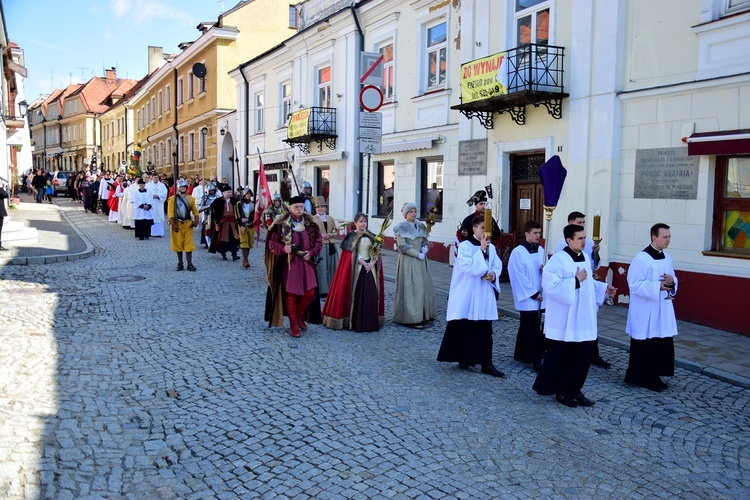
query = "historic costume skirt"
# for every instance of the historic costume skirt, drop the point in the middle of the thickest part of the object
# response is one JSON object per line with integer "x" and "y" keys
{"x": 329, "y": 259}
{"x": 338, "y": 311}
{"x": 565, "y": 368}
{"x": 182, "y": 240}
{"x": 365, "y": 314}
{"x": 336, "y": 308}
{"x": 247, "y": 236}
{"x": 468, "y": 342}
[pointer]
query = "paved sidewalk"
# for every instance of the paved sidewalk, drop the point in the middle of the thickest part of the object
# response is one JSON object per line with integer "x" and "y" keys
{"x": 700, "y": 349}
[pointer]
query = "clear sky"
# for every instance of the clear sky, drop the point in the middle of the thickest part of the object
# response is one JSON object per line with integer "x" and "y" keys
{"x": 70, "y": 41}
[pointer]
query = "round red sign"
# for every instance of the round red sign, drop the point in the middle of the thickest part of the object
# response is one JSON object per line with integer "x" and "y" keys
{"x": 370, "y": 98}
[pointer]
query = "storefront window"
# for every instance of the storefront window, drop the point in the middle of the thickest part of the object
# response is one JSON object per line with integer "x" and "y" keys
{"x": 731, "y": 231}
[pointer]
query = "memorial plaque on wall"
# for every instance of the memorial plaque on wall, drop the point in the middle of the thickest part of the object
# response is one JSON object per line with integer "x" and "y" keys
{"x": 472, "y": 157}
{"x": 666, "y": 174}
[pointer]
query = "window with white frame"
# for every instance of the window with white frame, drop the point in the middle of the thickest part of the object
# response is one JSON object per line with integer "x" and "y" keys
{"x": 153, "y": 108}
{"x": 437, "y": 54}
{"x": 286, "y": 103}
{"x": 293, "y": 18}
{"x": 389, "y": 71}
{"x": 431, "y": 187}
{"x": 734, "y": 6}
{"x": 161, "y": 154}
{"x": 532, "y": 22}
{"x": 324, "y": 87}
{"x": 160, "y": 101}
{"x": 191, "y": 146}
{"x": 167, "y": 98}
{"x": 169, "y": 151}
{"x": 258, "y": 111}
{"x": 181, "y": 149}
{"x": 202, "y": 137}
{"x": 190, "y": 85}
{"x": 179, "y": 90}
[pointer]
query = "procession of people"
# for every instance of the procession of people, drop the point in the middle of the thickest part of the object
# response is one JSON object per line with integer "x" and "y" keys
{"x": 323, "y": 271}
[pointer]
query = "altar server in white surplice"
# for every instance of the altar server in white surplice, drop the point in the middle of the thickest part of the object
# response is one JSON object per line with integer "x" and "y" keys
{"x": 159, "y": 194}
{"x": 651, "y": 321}
{"x": 580, "y": 219}
{"x": 472, "y": 303}
{"x": 570, "y": 322}
{"x": 525, "y": 271}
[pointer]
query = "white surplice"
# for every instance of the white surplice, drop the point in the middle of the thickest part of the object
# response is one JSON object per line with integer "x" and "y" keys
{"x": 571, "y": 311}
{"x": 650, "y": 315}
{"x": 525, "y": 271}
{"x": 470, "y": 296}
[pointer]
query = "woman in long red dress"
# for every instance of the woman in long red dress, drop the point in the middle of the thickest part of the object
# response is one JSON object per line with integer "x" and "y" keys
{"x": 356, "y": 299}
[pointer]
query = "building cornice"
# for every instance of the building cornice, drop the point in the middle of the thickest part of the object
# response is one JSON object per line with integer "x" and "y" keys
{"x": 204, "y": 41}
{"x": 679, "y": 87}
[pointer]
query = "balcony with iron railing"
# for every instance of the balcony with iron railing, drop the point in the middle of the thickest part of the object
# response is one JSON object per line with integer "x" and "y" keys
{"x": 530, "y": 74}
{"x": 315, "y": 124}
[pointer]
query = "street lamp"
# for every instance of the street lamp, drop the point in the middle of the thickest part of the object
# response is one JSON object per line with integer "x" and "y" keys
{"x": 204, "y": 131}
{"x": 23, "y": 108}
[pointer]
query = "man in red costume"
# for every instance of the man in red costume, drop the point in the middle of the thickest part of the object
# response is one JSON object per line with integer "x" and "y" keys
{"x": 293, "y": 241}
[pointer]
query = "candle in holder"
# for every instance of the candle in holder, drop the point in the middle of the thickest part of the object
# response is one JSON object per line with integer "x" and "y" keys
{"x": 597, "y": 225}
{"x": 488, "y": 222}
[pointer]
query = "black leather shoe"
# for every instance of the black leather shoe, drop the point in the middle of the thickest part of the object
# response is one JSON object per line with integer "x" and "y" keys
{"x": 601, "y": 363}
{"x": 491, "y": 370}
{"x": 180, "y": 267}
{"x": 582, "y": 400}
{"x": 191, "y": 267}
{"x": 3, "y": 249}
{"x": 235, "y": 257}
{"x": 463, "y": 366}
{"x": 224, "y": 256}
{"x": 566, "y": 400}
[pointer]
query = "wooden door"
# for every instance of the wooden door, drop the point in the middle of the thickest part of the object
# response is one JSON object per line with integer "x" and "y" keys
{"x": 527, "y": 196}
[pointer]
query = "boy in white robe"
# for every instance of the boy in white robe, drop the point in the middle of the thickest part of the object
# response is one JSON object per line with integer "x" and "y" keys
{"x": 651, "y": 320}
{"x": 525, "y": 271}
{"x": 158, "y": 194}
{"x": 142, "y": 211}
{"x": 472, "y": 303}
{"x": 570, "y": 322}
{"x": 580, "y": 219}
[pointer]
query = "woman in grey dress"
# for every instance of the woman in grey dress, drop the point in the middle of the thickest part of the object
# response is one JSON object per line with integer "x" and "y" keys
{"x": 414, "y": 300}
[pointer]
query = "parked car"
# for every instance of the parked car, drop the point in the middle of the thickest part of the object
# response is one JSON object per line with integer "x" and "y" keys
{"x": 60, "y": 182}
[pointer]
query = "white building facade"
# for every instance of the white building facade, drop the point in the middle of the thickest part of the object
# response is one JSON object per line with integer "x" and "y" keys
{"x": 647, "y": 104}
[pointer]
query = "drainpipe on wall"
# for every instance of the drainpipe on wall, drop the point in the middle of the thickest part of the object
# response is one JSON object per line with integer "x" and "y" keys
{"x": 176, "y": 141}
{"x": 246, "y": 153}
{"x": 355, "y": 146}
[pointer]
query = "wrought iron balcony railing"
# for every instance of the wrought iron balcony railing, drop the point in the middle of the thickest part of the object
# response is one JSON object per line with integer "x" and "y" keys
{"x": 531, "y": 74}
{"x": 312, "y": 124}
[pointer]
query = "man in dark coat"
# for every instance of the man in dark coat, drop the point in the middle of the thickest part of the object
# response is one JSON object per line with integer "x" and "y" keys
{"x": 226, "y": 237}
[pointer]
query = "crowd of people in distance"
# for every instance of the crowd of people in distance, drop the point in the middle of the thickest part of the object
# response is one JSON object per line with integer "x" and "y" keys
{"x": 315, "y": 278}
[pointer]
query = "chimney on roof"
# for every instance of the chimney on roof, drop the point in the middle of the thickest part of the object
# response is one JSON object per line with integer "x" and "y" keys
{"x": 111, "y": 75}
{"x": 155, "y": 58}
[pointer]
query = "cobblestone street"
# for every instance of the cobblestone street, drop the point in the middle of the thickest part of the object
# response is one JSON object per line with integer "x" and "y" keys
{"x": 122, "y": 378}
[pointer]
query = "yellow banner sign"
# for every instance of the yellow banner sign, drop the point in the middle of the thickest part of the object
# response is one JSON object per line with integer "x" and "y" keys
{"x": 479, "y": 78}
{"x": 297, "y": 126}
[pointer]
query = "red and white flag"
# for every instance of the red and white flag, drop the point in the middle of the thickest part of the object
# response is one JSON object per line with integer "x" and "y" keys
{"x": 263, "y": 195}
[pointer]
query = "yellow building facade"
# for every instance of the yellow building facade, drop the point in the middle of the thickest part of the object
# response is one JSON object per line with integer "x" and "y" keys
{"x": 176, "y": 113}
